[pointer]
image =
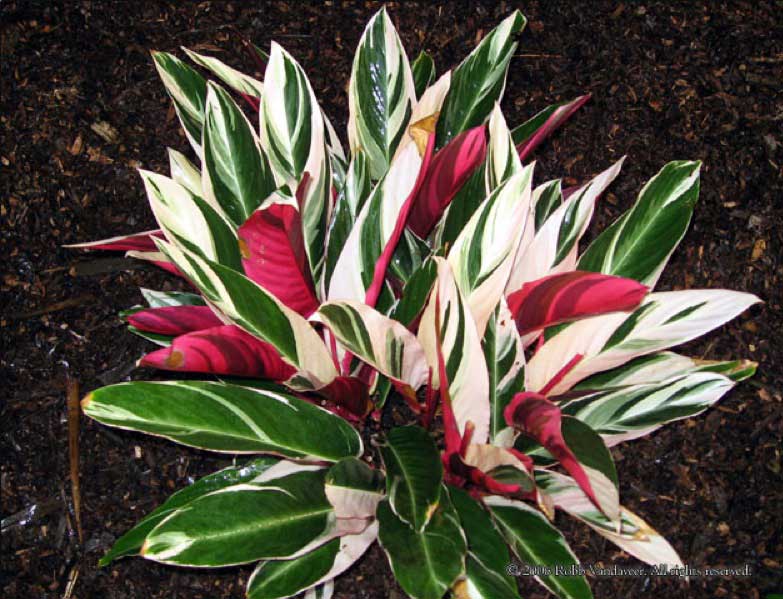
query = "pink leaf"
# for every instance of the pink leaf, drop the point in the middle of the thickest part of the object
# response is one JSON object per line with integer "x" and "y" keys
{"x": 571, "y": 295}
{"x": 140, "y": 242}
{"x": 447, "y": 173}
{"x": 349, "y": 393}
{"x": 174, "y": 320}
{"x": 536, "y": 416}
{"x": 557, "y": 118}
{"x": 226, "y": 350}
{"x": 273, "y": 255}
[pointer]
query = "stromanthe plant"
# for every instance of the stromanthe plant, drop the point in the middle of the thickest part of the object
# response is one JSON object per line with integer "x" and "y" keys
{"x": 421, "y": 268}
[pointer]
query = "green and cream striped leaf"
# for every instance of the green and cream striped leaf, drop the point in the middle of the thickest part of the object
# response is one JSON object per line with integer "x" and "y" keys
{"x": 482, "y": 255}
{"x": 635, "y": 536}
{"x": 478, "y": 82}
{"x": 190, "y": 222}
{"x": 634, "y": 411}
{"x": 294, "y": 139}
{"x": 261, "y": 314}
{"x": 188, "y": 90}
{"x": 354, "y": 490}
{"x": 659, "y": 367}
{"x": 486, "y": 575}
{"x": 374, "y": 225}
{"x": 536, "y": 542}
{"x": 427, "y": 563}
{"x": 321, "y": 591}
{"x": 547, "y": 197}
{"x": 428, "y": 106}
{"x": 502, "y": 156}
{"x": 244, "y": 523}
{"x": 413, "y": 475}
{"x": 381, "y": 93}
{"x": 236, "y": 80}
{"x": 383, "y": 343}
{"x": 553, "y": 248}
{"x": 606, "y": 341}
{"x": 505, "y": 358}
{"x": 130, "y": 543}
{"x": 638, "y": 245}
{"x": 286, "y": 578}
{"x": 236, "y": 175}
{"x": 462, "y": 352}
{"x": 225, "y": 418}
{"x": 163, "y": 299}
{"x": 423, "y": 70}
{"x": 184, "y": 172}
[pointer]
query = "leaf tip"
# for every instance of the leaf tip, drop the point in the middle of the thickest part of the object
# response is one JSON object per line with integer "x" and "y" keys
{"x": 86, "y": 401}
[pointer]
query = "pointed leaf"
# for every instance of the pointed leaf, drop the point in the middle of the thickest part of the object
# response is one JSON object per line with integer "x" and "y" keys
{"x": 244, "y": 84}
{"x": 141, "y": 242}
{"x": 184, "y": 172}
{"x": 423, "y": 69}
{"x": 174, "y": 320}
{"x": 502, "y": 158}
{"x": 531, "y": 133}
{"x": 354, "y": 489}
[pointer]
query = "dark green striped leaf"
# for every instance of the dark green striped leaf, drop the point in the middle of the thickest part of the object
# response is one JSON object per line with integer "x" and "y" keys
{"x": 423, "y": 69}
{"x": 225, "y": 418}
{"x": 240, "y": 82}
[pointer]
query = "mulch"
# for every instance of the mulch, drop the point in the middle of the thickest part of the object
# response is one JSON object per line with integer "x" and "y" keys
{"x": 82, "y": 108}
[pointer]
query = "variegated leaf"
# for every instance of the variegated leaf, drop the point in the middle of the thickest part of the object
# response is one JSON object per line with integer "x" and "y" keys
{"x": 293, "y": 138}
{"x": 423, "y": 70}
{"x": 482, "y": 255}
{"x": 184, "y": 172}
{"x": 547, "y": 198}
{"x": 465, "y": 365}
{"x": 532, "y": 132}
{"x": 354, "y": 490}
{"x": 236, "y": 176}
{"x": 380, "y": 94}
{"x": 635, "y": 536}
{"x": 553, "y": 248}
{"x": 244, "y": 84}
{"x": 638, "y": 244}
{"x": 609, "y": 340}
{"x": 261, "y": 314}
{"x": 478, "y": 82}
{"x": 502, "y": 158}
{"x": 383, "y": 343}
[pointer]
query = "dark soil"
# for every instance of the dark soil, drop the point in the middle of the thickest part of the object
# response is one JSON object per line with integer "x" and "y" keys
{"x": 669, "y": 81}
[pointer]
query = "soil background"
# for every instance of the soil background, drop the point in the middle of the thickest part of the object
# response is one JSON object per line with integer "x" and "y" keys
{"x": 82, "y": 108}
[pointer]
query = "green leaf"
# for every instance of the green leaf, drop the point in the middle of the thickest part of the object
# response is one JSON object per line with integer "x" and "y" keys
{"x": 162, "y": 299}
{"x": 130, "y": 543}
{"x": 537, "y": 543}
{"x": 413, "y": 474}
{"x": 461, "y": 208}
{"x": 244, "y": 523}
{"x": 488, "y": 557}
{"x": 184, "y": 172}
{"x": 478, "y": 82}
{"x": 638, "y": 245}
{"x": 240, "y": 82}
{"x": 188, "y": 91}
{"x": 354, "y": 489}
{"x": 546, "y": 199}
{"x": 225, "y": 418}
{"x": 286, "y": 578}
{"x": 425, "y": 563}
{"x": 237, "y": 175}
{"x": 380, "y": 93}
{"x": 502, "y": 157}
{"x": 423, "y": 69}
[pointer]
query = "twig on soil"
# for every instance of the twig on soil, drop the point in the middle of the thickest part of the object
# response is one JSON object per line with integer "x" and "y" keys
{"x": 73, "y": 451}
{"x": 55, "y": 307}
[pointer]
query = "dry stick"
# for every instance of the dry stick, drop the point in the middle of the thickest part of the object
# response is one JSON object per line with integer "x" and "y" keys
{"x": 73, "y": 452}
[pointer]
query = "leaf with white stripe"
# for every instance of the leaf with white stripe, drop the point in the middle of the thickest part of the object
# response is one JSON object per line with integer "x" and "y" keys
{"x": 502, "y": 158}
{"x": 286, "y": 578}
{"x": 190, "y": 222}
{"x": 261, "y": 314}
{"x": 354, "y": 489}
{"x": 225, "y": 418}
{"x": 188, "y": 90}
{"x": 244, "y": 523}
{"x": 236, "y": 174}
{"x": 635, "y": 536}
{"x": 459, "y": 339}
{"x": 637, "y": 410}
{"x": 547, "y": 198}
{"x": 353, "y": 272}
{"x": 609, "y": 340}
{"x": 238, "y": 81}
{"x": 482, "y": 256}
{"x": 294, "y": 139}
{"x": 638, "y": 244}
{"x": 381, "y": 342}
{"x": 505, "y": 357}
{"x": 553, "y": 248}
{"x": 538, "y": 543}
{"x": 184, "y": 172}
{"x": 380, "y": 93}
{"x": 478, "y": 82}
{"x": 423, "y": 69}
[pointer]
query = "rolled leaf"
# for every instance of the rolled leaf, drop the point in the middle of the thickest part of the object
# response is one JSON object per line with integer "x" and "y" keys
{"x": 244, "y": 84}
{"x": 274, "y": 256}
{"x": 502, "y": 159}
{"x": 425, "y": 563}
{"x": 413, "y": 475}
{"x": 380, "y": 93}
{"x": 571, "y": 295}
{"x": 638, "y": 245}
{"x": 537, "y": 543}
{"x": 478, "y": 82}
{"x": 184, "y": 172}
{"x": 546, "y": 199}
{"x": 141, "y": 242}
{"x": 423, "y": 69}
{"x": 354, "y": 489}
{"x": 162, "y": 299}
{"x": 531, "y": 133}
{"x": 225, "y": 418}
{"x": 174, "y": 320}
